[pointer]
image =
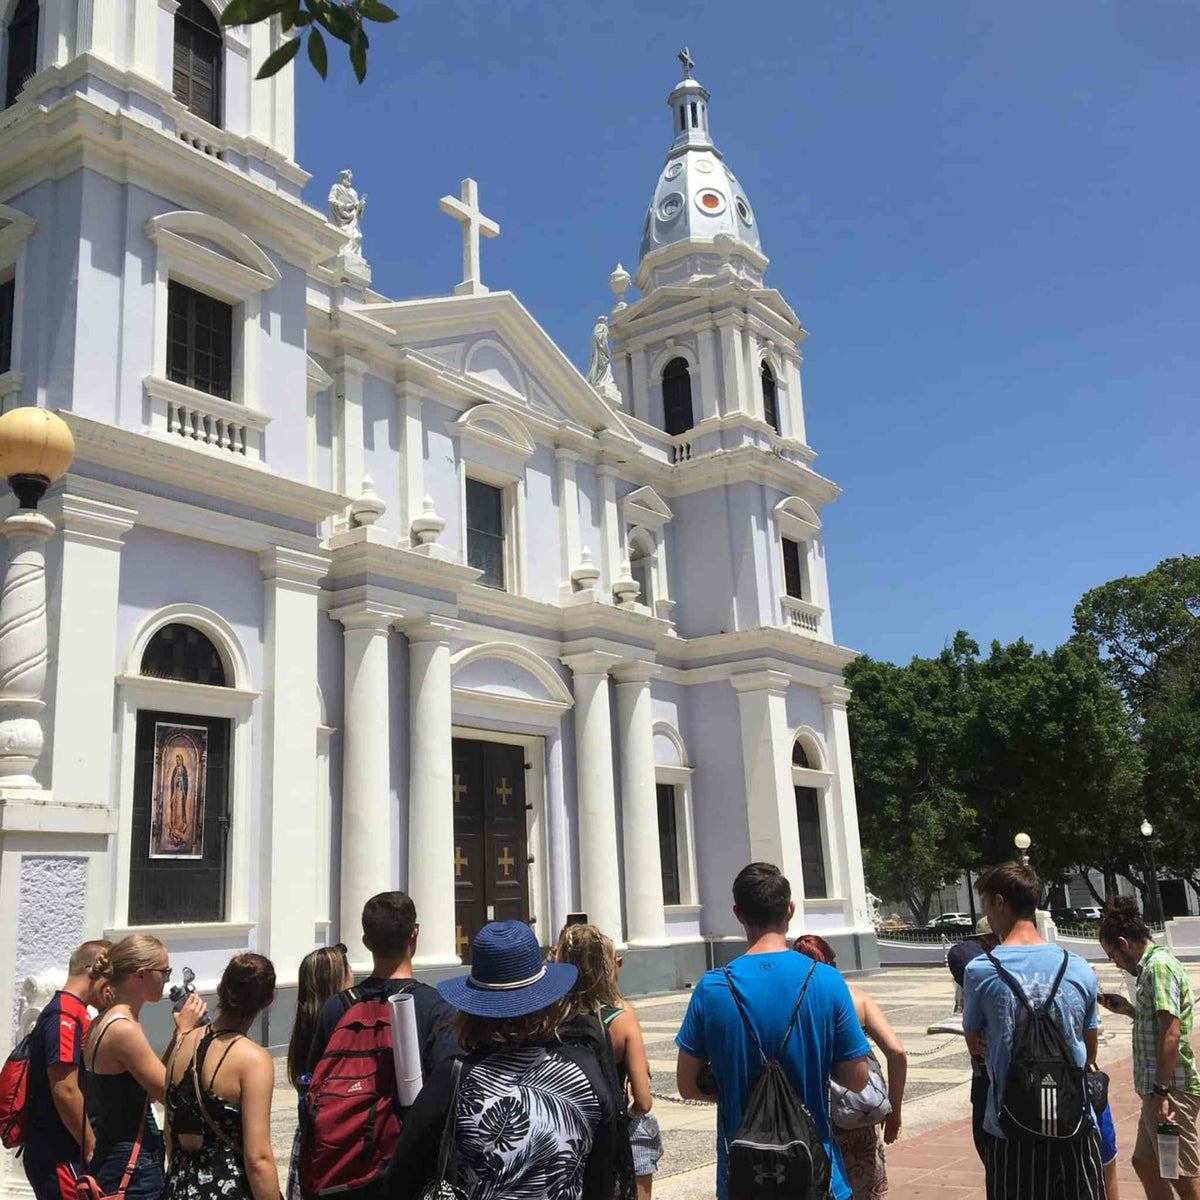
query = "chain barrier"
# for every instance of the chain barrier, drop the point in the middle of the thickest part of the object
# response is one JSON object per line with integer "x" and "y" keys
{"x": 681, "y": 1100}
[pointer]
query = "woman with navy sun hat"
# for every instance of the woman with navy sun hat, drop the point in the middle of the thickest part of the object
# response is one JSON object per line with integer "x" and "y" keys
{"x": 522, "y": 1116}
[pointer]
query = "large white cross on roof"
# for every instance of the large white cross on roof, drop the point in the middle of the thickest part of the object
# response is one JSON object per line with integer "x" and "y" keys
{"x": 466, "y": 210}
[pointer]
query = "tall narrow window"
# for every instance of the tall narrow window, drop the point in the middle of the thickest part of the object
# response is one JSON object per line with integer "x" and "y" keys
{"x": 793, "y": 570}
{"x": 668, "y": 843}
{"x": 485, "y": 532}
{"x": 199, "y": 340}
{"x": 8, "y": 295}
{"x": 22, "y": 49}
{"x": 812, "y": 854}
{"x": 677, "y": 397}
{"x": 639, "y": 568}
{"x": 770, "y": 397}
{"x": 198, "y": 49}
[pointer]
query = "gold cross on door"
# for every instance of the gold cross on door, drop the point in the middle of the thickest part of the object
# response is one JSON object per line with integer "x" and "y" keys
{"x": 504, "y": 791}
{"x": 460, "y": 789}
{"x": 506, "y": 861}
{"x": 461, "y": 940}
{"x": 460, "y": 861}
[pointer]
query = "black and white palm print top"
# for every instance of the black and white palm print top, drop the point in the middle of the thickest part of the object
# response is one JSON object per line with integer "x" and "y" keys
{"x": 527, "y": 1118}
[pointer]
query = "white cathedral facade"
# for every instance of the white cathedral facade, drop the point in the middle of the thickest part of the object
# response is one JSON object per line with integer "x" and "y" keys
{"x": 349, "y": 593}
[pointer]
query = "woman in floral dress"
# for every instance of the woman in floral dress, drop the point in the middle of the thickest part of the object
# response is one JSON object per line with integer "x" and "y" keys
{"x": 218, "y": 1101}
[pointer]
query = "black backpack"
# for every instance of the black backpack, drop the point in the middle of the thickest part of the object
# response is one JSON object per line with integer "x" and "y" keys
{"x": 1045, "y": 1095}
{"x": 777, "y": 1151}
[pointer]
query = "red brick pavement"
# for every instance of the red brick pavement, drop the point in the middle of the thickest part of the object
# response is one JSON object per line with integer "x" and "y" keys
{"x": 941, "y": 1164}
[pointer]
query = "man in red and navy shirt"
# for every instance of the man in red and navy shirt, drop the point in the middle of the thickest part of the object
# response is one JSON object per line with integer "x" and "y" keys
{"x": 52, "y": 1153}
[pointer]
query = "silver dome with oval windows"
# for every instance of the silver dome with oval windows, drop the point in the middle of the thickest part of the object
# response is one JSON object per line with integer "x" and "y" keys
{"x": 698, "y": 197}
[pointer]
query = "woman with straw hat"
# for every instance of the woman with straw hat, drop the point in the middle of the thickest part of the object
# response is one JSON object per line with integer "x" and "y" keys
{"x": 522, "y": 1115}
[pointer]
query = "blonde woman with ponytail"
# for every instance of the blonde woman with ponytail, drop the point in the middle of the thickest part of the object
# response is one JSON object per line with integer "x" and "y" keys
{"x": 122, "y": 1072}
{"x": 596, "y": 995}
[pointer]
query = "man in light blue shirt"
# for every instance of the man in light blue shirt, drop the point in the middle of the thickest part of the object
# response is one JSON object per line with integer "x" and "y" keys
{"x": 827, "y": 1040}
{"x": 1040, "y": 1169}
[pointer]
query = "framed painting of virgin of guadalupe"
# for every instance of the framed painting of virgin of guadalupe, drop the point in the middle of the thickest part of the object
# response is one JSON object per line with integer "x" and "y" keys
{"x": 178, "y": 791}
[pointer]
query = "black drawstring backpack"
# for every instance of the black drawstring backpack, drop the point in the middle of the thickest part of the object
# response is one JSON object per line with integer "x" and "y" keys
{"x": 1045, "y": 1095}
{"x": 777, "y": 1151}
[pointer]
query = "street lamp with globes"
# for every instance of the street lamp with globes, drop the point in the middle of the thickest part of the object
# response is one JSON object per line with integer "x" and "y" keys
{"x": 36, "y": 448}
{"x": 1023, "y": 841}
{"x": 1155, "y": 895}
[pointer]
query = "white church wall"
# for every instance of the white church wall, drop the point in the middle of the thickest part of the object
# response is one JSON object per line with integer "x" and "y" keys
{"x": 542, "y": 526}
{"x": 441, "y": 481}
{"x": 589, "y": 510}
{"x": 381, "y": 447}
{"x": 283, "y": 369}
{"x": 749, "y": 525}
{"x": 700, "y": 563}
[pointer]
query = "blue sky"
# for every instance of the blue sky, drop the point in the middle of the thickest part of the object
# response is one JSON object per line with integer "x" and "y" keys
{"x": 985, "y": 215}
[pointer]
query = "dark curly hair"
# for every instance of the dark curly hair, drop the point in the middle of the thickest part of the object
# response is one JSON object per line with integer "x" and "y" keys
{"x": 1122, "y": 919}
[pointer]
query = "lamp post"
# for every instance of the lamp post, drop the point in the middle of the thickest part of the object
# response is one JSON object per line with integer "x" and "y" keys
{"x": 36, "y": 448}
{"x": 1022, "y": 842}
{"x": 1152, "y": 870}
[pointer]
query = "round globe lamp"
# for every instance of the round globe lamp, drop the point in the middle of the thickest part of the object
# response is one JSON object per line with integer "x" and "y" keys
{"x": 1022, "y": 842}
{"x": 1147, "y": 829}
{"x": 36, "y": 448}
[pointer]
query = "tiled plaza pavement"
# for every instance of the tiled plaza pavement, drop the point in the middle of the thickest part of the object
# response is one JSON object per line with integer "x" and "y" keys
{"x": 934, "y": 1158}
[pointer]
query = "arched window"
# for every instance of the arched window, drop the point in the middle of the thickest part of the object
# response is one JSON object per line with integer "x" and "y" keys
{"x": 198, "y": 52}
{"x": 770, "y": 398}
{"x": 183, "y": 653}
{"x": 799, "y": 757}
{"x": 677, "y": 397}
{"x": 22, "y": 49}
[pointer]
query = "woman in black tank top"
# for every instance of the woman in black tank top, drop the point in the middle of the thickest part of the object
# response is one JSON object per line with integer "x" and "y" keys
{"x": 122, "y": 1074}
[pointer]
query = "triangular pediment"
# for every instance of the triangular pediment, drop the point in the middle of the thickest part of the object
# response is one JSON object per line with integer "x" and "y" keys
{"x": 644, "y": 506}
{"x": 489, "y": 348}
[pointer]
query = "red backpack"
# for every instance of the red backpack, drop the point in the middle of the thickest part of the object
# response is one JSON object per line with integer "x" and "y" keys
{"x": 352, "y": 1109}
{"x": 14, "y": 1094}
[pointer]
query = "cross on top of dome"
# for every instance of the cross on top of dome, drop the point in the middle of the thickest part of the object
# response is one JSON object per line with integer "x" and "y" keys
{"x": 685, "y": 58}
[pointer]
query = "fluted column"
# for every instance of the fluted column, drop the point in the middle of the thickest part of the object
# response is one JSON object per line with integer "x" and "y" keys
{"x": 430, "y": 792}
{"x": 23, "y": 649}
{"x": 599, "y": 876}
{"x": 366, "y": 786}
{"x": 639, "y": 806}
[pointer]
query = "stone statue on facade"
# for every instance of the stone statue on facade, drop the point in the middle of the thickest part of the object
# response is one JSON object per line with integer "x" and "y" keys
{"x": 346, "y": 211}
{"x": 600, "y": 374}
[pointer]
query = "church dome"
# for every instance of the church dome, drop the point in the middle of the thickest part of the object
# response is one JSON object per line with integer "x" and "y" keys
{"x": 697, "y": 197}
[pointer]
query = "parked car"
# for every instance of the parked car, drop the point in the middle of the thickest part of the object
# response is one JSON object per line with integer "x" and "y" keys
{"x": 952, "y": 920}
{"x": 1090, "y": 912}
{"x": 1068, "y": 916}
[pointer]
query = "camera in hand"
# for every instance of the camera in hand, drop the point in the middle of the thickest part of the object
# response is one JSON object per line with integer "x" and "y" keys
{"x": 179, "y": 992}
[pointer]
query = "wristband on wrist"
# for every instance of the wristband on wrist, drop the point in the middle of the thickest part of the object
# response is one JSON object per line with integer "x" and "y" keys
{"x": 1161, "y": 1089}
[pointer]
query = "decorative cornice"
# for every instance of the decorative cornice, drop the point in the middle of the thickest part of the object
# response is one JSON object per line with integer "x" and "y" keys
{"x": 761, "y": 681}
{"x": 636, "y": 672}
{"x": 371, "y": 550}
{"x": 591, "y": 662}
{"x": 209, "y": 474}
{"x": 835, "y": 695}
{"x": 431, "y": 629}
{"x": 88, "y": 521}
{"x": 294, "y": 568}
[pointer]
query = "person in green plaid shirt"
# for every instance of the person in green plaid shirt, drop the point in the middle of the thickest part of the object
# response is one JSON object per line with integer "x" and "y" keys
{"x": 1164, "y": 1065}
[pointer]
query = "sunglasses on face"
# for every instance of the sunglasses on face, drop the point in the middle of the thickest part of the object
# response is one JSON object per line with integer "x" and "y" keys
{"x": 165, "y": 972}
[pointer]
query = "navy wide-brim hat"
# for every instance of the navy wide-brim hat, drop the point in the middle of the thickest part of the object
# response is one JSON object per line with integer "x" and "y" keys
{"x": 508, "y": 977}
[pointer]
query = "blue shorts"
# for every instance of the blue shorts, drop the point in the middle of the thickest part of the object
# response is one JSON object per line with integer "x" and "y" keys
{"x": 1108, "y": 1136}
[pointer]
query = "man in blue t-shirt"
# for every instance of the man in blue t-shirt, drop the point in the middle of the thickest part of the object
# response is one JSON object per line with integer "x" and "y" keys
{"x": 1029, "y": 1170}
{"x": 826, "y": 1041}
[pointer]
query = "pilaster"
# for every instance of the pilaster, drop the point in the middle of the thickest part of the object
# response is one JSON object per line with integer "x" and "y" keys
{"x": 96, "y": 29}
{"x": 599, "y": 874}
{"x": 568, "y": 517}
{"x": 610, "y": 533}
{"x": 348, "y": 460}
{"x": 710, "y": 384}
{"x": 837, "y": 745}
{"x": 93, "y": 535}
{"x": 412, "y": 458}
{"x": 640, "y": 364}
{"x": 754, "y": 401}
{"x": 767, "y": 766}
{"x": 733, "y": 362}
{"x": 288, "y": 833}
{"x": 795, "y": 397}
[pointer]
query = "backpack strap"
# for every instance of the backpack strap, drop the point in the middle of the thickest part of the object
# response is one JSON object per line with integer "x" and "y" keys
{"x": 1019, "y": 992}
{"x": 749, "y": 1024}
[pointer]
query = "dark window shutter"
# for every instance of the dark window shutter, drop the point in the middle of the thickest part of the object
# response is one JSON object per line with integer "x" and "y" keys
{"x": 485, "y": 532}
{"x": 8, "y": 292}
{"x": 812, "y": 856}
{"x": 181, "y": 652}
{"x": 668, "y": 843}
{"x": 677, "y": 397}
{"x": 199, "y": 340}
{"x": 793, "y": 576}
{"x": 770, "y": 397}
{"x": 22, "y": 49}
{"x": 199, "y": 49}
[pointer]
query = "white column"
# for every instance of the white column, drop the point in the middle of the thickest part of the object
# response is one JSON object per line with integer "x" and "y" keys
{"x": 795, "y": 397}
{"x": 599, "y": 877}
{"x": 844, "y": 802}
{"x": 568, "y": 516}
{"x": 754, "y": 401}
{"x": 96, "y": 28}
{"x": 23, "y": 648}
{"x": 366, "y": 785}
{"x": 89, "y": 577}
{"x": 639, "y": 806}
{"x": 289, "y": 822}
{"x": 641, "y": 383}
{"x": 412, "y": 462}
{"x": 430, "y": 792}
{"x": 610, "y": 541}
{"x": 710, "y": 384}
{"x": 348, "y": 460}
{"x": 733, "y": 362}
{"x": 766, "y": 762}
{"x": 145, "y": 48}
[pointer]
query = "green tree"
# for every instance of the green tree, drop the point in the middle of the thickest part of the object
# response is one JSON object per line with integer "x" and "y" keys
{"x": 905, "y": 728}
{"x": 343, "y": 20}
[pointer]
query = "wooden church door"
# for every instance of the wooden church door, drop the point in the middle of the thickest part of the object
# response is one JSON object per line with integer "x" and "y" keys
{"x": 491, "y": 869}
